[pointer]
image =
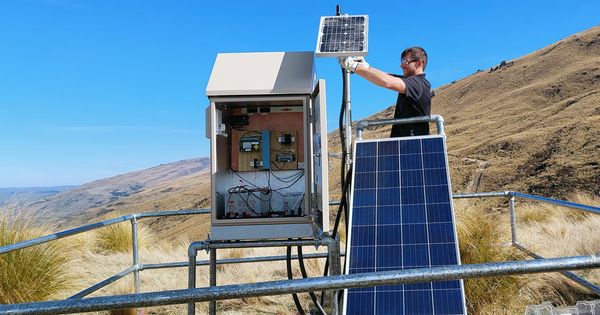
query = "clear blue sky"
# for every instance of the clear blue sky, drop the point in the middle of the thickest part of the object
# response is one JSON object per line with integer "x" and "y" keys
{"x": 94, "y": 88}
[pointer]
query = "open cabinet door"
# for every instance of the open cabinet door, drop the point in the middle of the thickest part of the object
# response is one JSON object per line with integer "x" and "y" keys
{"x": 320, "y": 158}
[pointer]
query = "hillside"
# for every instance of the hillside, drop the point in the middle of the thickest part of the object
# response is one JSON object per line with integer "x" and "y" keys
{"x": 531, "y": 124}
{"x": 144, "y": 190}
{"x": 13, "y": 197}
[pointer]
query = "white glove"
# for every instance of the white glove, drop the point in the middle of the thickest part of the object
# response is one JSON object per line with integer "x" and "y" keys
{"x": 362, "y": 62}
{"x": 351, "y": 63}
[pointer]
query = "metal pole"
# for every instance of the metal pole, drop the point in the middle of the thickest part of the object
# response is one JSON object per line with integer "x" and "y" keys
{"x": 513, "y": 220}
{"x": 136, "y": 257}
{"x": 260, "y": 243}
{"x": 212, "y": 305}
{"x": 192, "y": 278}
{"x": 348, "y": 114}
{"x": 281, "y": 287}
{"x": 333, "y": 250}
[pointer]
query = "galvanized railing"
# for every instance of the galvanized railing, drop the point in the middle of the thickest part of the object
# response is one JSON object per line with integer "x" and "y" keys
{"x": 77, "y": 303}
{"x": 512, "y": 195}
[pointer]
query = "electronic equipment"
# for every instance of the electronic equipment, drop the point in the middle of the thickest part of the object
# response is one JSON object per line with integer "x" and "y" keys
{"x": 268, "y": 137}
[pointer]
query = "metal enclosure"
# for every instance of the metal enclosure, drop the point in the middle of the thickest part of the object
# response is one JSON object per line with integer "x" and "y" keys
{"x": 268, "y": 136}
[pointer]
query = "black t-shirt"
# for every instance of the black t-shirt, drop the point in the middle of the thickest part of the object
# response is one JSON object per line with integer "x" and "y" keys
{"x": 416, "y": 102}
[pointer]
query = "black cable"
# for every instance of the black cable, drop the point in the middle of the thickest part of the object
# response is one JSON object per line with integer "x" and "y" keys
{"x": 290, "y": 277}
{"x": 313, "y": 296}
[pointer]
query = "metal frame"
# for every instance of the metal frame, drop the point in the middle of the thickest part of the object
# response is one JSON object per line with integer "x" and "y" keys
{"x": 333, "y": 253}
{"x": 363, "y": 124}
{"x": 77, "y": 303}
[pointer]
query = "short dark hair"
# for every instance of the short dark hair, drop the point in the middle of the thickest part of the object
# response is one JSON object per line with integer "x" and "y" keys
{"x": 416, "y": 53}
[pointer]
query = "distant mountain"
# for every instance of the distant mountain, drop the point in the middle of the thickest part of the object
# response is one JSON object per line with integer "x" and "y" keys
{"x": 134, "y": 191}
{"x": 15, "y": 196}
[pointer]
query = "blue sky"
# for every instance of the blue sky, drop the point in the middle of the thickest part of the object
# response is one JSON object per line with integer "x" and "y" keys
{"x": 94, "y": 88}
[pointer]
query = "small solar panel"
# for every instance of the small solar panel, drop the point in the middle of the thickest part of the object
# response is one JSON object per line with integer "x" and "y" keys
{"x": 401, "y": 217}
{"x": 343, "y": 36}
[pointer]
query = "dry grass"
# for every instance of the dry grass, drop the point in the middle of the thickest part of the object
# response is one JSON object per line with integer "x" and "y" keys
{"x": 31, "y": 274}
{"x": 550, "y": 231}
{"x": 565, "y": 233}
{"x": 116, "y": 238}
{"x": 482, "y": 239}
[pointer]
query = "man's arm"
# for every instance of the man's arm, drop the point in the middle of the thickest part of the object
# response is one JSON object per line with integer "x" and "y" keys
{"x": 381, "y": 78}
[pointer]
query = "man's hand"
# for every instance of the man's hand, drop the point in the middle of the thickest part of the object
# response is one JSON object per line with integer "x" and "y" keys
{"x": 348, "y": 63}
{"x": 352, "y": 63}
{"x": 361, "y": 62}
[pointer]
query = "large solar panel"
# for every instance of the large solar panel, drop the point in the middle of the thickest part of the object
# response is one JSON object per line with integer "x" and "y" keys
{"x": 401, "y": 218}
{"x": 343, "y": 36}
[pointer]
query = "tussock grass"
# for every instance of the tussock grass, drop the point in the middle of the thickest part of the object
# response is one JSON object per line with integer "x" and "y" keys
{"x": 31, "y": 274}
{"x": 482, "y": 239}
{"x": 116, "y": 238}
{"x": 566, "y": 233}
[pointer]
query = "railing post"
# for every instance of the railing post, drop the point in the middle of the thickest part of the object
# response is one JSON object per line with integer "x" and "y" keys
{"x": 333, "y": 251}
{"x": 136, "y": 257}
{"x": 192, "y": 278}
{"x": 513, "y": 219}
{"x": 212, "y": 305}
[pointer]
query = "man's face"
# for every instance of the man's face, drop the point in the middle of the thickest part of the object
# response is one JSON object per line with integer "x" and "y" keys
{"x": 408, "y": 65}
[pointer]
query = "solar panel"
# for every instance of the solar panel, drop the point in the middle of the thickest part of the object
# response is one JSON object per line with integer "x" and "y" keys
{"x": 401, "y": 217}
{"x": 343, "y": 36}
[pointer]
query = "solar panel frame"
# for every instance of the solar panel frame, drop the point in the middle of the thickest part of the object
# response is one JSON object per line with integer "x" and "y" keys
{"x": 345, "y": 53}
{"x": 368, "y": 303}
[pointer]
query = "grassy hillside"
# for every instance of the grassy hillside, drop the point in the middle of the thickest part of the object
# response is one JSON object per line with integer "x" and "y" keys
{"x": 530, "y": 124}
{"x": 145, "y": 189}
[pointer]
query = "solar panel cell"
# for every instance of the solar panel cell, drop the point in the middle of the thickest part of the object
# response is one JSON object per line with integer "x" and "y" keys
{"x": 401, "y": 218}
{"x": 342, "y": 36}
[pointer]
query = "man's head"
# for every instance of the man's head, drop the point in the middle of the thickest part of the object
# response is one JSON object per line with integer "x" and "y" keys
{"x": 413, "y": 61}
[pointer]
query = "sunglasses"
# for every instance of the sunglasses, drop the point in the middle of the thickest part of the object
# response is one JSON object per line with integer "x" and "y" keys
{"x": 405, "y": 61}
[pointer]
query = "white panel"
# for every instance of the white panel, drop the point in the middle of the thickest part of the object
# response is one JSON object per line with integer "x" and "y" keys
{"x": 262, "y": 74}
{"x": 321, "y": 154}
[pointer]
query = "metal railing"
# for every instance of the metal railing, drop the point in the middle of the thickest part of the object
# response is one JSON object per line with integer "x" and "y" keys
{"x": 364, "y": 124}
{"x": 512, "y": 195}
{"x": 77, "y": 303}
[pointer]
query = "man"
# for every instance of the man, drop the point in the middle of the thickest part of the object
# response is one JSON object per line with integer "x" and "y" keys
{"x": 414, "y": 91}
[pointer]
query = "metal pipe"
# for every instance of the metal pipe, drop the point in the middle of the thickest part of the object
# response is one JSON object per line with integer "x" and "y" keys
{"x": 136, "y": 257}
{"x": 212, "y": 305}
{"x": 513, "y": 219}
{"x": 589, "y": 285}
{"x": 333, "y": 250}
{"x": 567, "y": 204}
{"x": 192, "y": 253}
{"x": 363, "y": 124}
{"x": 102, "y": 284}
{"x": 482, "y": 195}
{"x": 261, "y": 243}
{"x": 58, "y": 235}
{"x": 304, "y": 285}
{"x": 228, "y": 261}
{"x": 192, "y": 280}
{"x": 348, "y": 115}
{"x": 172, "y": 213}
